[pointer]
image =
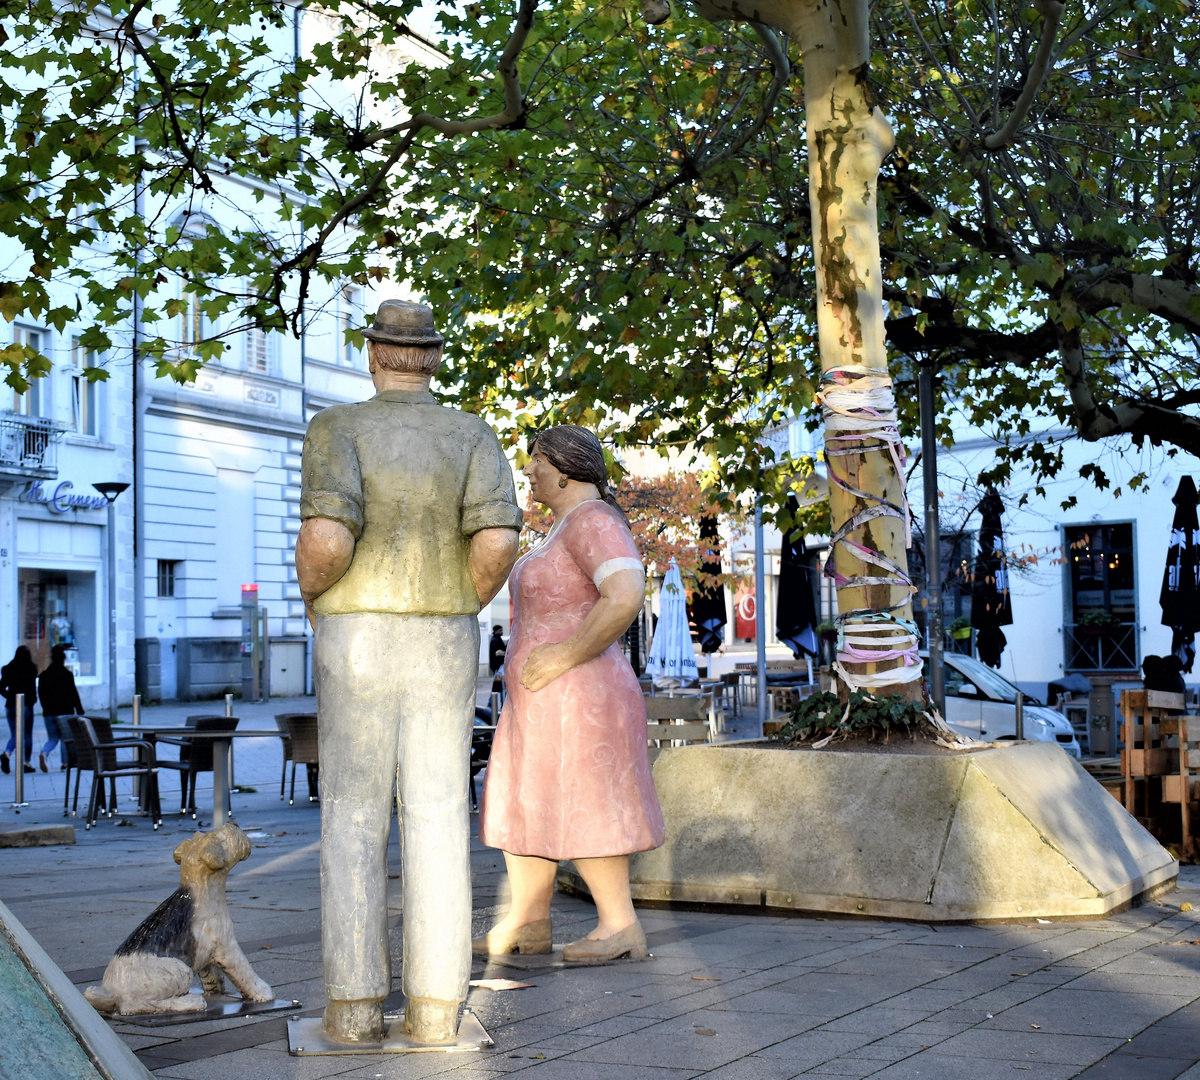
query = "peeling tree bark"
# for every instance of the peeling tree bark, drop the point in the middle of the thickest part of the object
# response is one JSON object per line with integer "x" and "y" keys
{"x": 848, "y": 137}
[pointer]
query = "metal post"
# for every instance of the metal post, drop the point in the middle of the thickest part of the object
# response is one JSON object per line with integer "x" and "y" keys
{"x": 112, "y": 610}
{"x": 266, "y": 656}
{"x": 111, "y": 490}
{"x": 137, "y": 719}
{"x": 229, "y": 763}
{"x": 1020, "y": 725}
{"x": 19, "y": 764}
{"x": 933, "y": 540}
{"x": 249, "y": 642}
{"x": 760, "y": 614}
{"x": 221, "y": 781}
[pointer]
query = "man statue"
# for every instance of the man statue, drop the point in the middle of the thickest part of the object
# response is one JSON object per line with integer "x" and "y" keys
{"x": 410, "y": 526}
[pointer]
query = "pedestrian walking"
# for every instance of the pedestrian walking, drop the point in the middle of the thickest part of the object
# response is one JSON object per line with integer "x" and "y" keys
{"x": 497, "y": 647}
{"x": 59, "y": 698}
{"x": 18, "y": 676}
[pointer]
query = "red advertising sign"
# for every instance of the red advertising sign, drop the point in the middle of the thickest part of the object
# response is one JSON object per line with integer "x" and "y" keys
{"x": 745, "y": 609}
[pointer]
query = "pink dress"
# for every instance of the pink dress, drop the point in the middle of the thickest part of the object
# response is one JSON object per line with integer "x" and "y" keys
{"x": 569, "y": 776}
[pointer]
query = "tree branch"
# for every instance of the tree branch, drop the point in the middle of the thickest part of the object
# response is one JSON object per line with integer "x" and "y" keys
{"x": 956, "y": 343}
{"x": 1128, "y": 416}
{"x": 1052, "y": 13}
{"x": 513, "y": 113}
{"x": 1176, "y": 301}
{"x": 695, "y": 167}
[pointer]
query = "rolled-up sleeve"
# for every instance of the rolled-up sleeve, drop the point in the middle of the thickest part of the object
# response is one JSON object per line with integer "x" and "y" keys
{"x": 490, "y": 497}
{"x": 331, "y": 483}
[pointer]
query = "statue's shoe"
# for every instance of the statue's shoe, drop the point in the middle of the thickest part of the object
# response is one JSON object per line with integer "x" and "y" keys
{"x": 629, "y": 942}
{"x": 533, "y": 937}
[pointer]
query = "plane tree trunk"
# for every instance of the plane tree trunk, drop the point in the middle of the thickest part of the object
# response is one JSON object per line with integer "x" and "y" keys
{"x": 848, "y": 138}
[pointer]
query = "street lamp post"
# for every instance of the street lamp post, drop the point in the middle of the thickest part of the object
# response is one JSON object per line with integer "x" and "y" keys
{"x": 933, "y": 538}
{"x": 110, "y": 490}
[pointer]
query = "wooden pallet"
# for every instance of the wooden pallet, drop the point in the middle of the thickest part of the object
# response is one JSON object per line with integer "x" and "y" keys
{"x": 1160, "y": 764}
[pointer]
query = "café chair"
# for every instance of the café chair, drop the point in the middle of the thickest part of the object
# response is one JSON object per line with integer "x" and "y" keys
{"x": 97, "y": 752}
{"x": 302, "y": 729}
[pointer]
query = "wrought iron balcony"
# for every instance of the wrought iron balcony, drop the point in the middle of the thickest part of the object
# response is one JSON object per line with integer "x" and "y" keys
{"x": 29, "y": 446}
{"x": 1100, "y": 648}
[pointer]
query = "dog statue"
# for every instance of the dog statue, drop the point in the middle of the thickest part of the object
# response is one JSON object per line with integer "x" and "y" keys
{"x": 189, "y": 933}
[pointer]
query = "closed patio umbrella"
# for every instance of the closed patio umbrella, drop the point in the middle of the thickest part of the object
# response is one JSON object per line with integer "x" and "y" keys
{"x": 795, "y": 611}
{"x": 672, "y": 658}
{"x": 991, "y": 606}
{"x": 1180, "y": 594}
{"x": 707, "y": 609}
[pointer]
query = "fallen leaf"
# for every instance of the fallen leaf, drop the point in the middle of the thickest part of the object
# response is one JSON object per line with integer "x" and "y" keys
{"x": 705, "y": 1031}
{"x": 500, "y": 984}
{"x": 1019, "y": 974}
{"x": 1185, "y": 906}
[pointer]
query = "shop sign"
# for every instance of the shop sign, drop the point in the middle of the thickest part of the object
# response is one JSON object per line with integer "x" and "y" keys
{"x": 59, "y": 499}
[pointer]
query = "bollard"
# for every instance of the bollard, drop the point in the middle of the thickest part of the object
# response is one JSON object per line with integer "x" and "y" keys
{"x": 229, "y": 760}
{"x": 137, "y": 719}
{"x": 1020, "y": 715}
{"x": 19, "y": 764}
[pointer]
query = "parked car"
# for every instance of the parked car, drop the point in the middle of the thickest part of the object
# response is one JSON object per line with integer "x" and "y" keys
{"x": 982, "y": 704}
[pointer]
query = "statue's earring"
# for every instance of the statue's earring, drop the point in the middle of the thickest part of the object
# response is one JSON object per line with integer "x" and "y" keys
{"x": 562, "y": 481}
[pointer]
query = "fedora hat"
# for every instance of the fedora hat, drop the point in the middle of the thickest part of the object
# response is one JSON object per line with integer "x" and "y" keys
{"x": 401, "y": 322}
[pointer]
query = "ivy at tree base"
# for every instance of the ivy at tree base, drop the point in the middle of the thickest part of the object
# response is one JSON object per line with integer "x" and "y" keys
{"x": 821, "y": 715}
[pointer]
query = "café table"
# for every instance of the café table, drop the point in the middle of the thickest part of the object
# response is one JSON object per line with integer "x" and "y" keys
{"x": 222, "y": 755}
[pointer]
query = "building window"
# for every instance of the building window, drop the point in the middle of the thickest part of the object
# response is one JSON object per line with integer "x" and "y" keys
{"x": 259, "y": 345}
{"x": 168, "y": 570}
{"x": 85, "y": 395}
{"x": 258, "y": 351}
{"x": 349, "y": 318}
{"x": 1101, "y": 631}
{"x": 958, "y": 553}
{"x": 192, "y": 323}
{"x": 34, "y": 402}
{"x": 58, "y": 607}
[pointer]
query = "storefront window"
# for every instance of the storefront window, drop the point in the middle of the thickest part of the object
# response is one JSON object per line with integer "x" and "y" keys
{"x": 58, "y": 607}
{"x": 1102, "y": 633}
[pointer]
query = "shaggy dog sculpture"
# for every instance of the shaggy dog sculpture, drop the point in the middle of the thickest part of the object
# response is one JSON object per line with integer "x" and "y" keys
{"x": 188, "y": 933}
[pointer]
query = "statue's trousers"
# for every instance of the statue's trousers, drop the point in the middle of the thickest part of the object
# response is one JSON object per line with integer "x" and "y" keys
{"x": 396, "y": 701}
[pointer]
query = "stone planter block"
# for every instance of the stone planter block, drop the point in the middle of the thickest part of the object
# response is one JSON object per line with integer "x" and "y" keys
{"x": 1003, "y": 833}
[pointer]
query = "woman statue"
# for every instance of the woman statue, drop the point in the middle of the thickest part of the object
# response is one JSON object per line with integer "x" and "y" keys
{"x": 569, "y": 775}
{"x": 18, "y": 676}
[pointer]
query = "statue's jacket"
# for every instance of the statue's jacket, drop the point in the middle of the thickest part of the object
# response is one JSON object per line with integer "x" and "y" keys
{"x": 413, "y": 481}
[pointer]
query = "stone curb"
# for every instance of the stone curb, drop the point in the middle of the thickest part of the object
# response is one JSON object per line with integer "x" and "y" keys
{"x": 112, "y": 1059}
{"x": 37, "y": 836}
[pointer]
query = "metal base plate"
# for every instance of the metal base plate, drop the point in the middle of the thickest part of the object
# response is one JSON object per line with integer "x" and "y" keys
{"x": 220, "y": 1007}
{"x": 306, "y": 1037}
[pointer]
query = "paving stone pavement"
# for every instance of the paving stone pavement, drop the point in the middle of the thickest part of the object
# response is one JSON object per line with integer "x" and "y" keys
{"x": 728, "y": 995}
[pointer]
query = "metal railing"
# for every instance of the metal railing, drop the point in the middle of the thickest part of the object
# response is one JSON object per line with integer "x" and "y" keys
{"x": 29, "y": 445}
{"x": 1100, "y": 648}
